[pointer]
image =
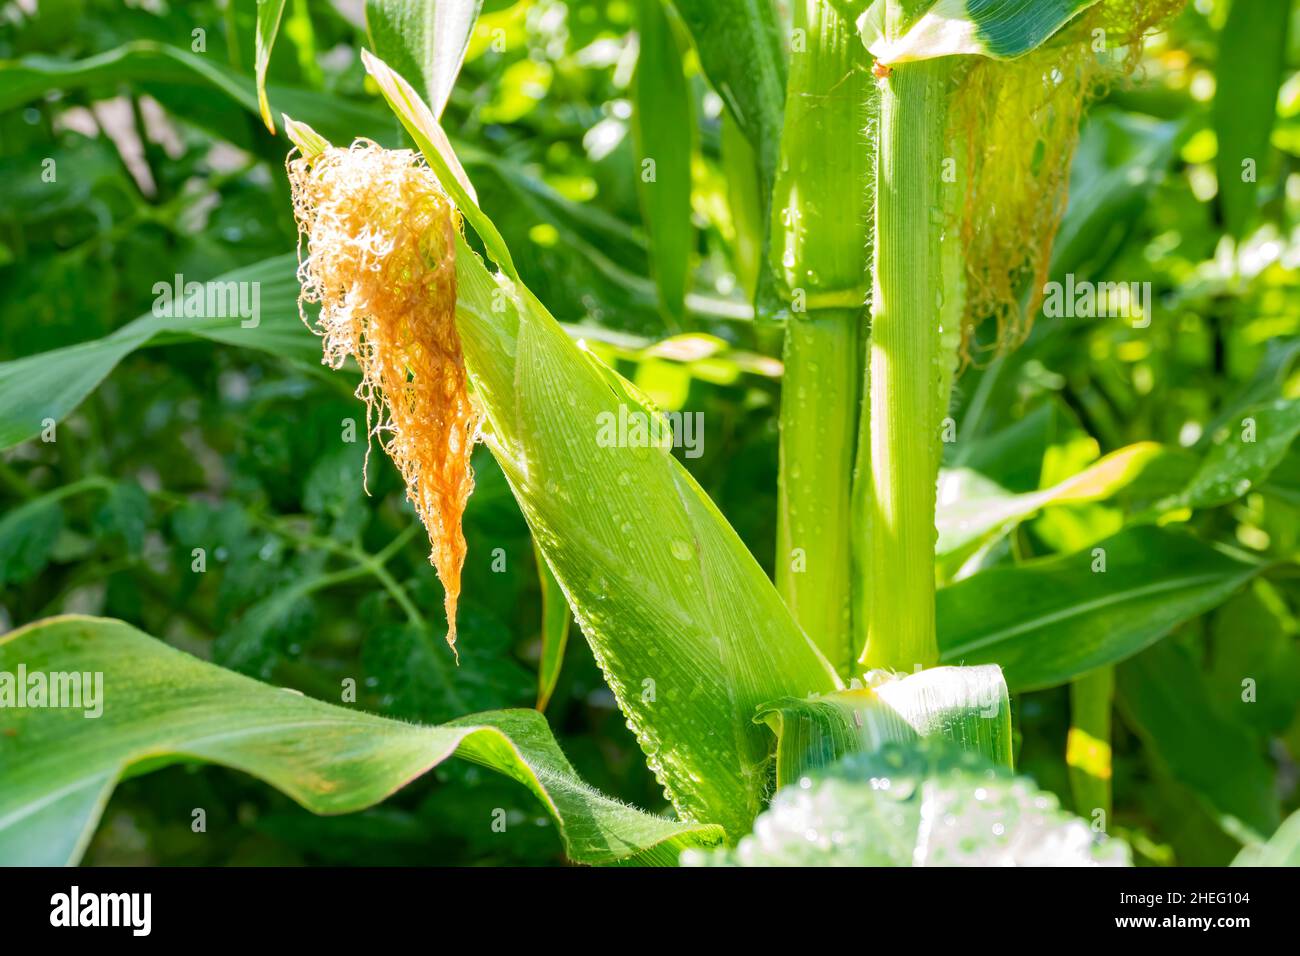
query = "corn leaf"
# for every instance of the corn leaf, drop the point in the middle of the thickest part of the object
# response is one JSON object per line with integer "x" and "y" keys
{"x": 918, "y": 804}
{"x": 1001, "y": 29}
{"x": 161, "y": 706}
{"x": 158, "y": 64}
{"x": 45, "y": 388}
{"x": 1243, "y": 454}
{"x": 1163, "y": 697}
{"x": 1252, "y": 63}
{"x": 1049, "y": 621}
{"x": 664, "y": 126}
{"x": 968, "y": 706}
{"x": 740, "y": 51}
{"x": 972, "y": 509}
{"x": 555, "y": 632}
{"x": 424, "y": 38}
{"x": 1282, "y": 848}
{"x": 269, "y": 13}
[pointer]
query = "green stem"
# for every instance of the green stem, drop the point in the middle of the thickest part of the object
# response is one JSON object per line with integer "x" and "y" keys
{"x": 906, "y": 367}
{"x": 819, "y": 249}
{"x": 819, "y": 399}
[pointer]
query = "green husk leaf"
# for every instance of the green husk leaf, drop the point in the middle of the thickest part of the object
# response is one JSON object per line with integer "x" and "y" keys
{"x": 690, "y": 634}
{"x": 432, "y": 141}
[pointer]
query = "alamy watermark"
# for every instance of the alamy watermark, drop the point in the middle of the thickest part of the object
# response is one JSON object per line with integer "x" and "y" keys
{"x": 133, "y": 911}
{"x": 1073, "y": 299}
{"x": 70, "y": 690}
{"x": 633, "y": 428}
{"x": 179, "y": 299}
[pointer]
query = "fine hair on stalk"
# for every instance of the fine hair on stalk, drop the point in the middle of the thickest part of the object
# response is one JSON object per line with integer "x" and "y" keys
{"x": 380, "y": 238}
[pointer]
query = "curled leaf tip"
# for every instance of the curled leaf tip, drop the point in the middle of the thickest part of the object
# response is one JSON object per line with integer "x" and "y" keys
{"x": 380, "y": 238}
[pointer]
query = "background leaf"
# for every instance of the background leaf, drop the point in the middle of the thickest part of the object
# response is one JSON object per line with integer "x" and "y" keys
{"x": 1163, "y": 697}
{"x": 1252, "y": 63}
{"x": 1049, "y": 621}
{"x": 663, "y": 123}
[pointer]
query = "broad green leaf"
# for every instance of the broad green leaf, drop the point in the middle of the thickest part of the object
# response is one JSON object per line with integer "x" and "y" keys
{"x": 969, "y": 706}
{"x": 1243, "y": 455}
{"x": 1252, "y": 63}
{"x": 1269, "y": 658}
{"x": 971, "y": 508}
{"x": 1049, "y": 621}
{"x": 269, "y": 13}
{"x": 555, "y": 632}
{"x": 1282, "y": 848}
{"x": 918, "y": 804}
{"x": 160, "y": 706}
{"x": 1163, "y": 697}
{"x": 424, "y": 38}
{"x": 1001, "y": 29}
{"x": 40, "y": 389}
{"x": 663, "y": 125}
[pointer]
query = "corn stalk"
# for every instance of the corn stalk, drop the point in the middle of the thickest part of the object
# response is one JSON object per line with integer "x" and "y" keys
{"x": 820, "y": 235}
{"x": 905, "y": 364}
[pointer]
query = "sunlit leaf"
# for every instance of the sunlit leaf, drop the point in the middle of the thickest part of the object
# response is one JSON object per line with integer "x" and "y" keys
{"x": 424, "y": 38}
{"x": 1001, "y": 29}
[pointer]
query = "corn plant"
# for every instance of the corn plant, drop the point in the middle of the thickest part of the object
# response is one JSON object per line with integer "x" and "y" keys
{"x": 904, "y": 167}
